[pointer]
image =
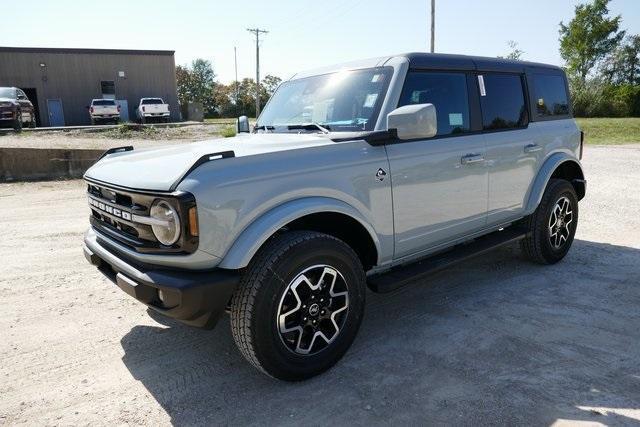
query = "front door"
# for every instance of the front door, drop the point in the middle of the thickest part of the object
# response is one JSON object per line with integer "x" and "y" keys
{"x": 440, "y": 185}
{"x": 56, "y": 114}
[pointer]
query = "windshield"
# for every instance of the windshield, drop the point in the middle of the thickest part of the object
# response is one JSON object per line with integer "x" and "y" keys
{"x": 340, "y": 102}
{"x": 151, "y": 101}
{"x": 7, "y": 92}
{"x": 104, "y": 102}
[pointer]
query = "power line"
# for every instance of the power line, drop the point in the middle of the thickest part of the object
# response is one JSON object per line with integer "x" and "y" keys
{"x": 257, "y": 32}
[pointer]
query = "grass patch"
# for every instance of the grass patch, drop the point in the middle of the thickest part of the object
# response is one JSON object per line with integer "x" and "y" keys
{"x": 228, "y": 131}
{"x": 610, "y": 130}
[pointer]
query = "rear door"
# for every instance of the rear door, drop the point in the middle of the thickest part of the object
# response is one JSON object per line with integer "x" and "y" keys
{"x": 439, "y": 184}
{"x": 513, "y": 152}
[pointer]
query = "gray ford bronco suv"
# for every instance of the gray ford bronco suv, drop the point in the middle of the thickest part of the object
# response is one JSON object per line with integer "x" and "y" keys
{"x": 367, "y": 174}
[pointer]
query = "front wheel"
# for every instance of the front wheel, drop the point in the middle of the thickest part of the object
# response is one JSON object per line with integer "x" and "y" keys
{"x": 17, "y": 123}
{"x": 552, "y": 226}
{"x": 299, "y": 305}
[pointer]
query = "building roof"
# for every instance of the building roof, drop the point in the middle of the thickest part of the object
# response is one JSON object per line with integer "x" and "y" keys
{"x": 85, "y": 51}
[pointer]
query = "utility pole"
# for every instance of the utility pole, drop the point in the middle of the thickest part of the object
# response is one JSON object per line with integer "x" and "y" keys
{"x": 433, "y": 26}
{"x": 235, "y": 60}
{"x": 257, "y": 32}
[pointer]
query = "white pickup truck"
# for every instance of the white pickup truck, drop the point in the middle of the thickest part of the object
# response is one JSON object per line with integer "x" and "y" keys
{"x": 104, "y": 110}
{"x": 152, "y": 109}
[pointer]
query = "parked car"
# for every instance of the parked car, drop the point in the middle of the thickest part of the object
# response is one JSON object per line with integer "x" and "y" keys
{"x": 372, "y": 173}
{"x": 104, "y": 111}
{"x": 15, "y": 108}
{"x": 152, "y": 109}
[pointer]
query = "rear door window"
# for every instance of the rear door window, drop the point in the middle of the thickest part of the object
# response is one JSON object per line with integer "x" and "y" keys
{"x": 446, "y": 91}
{"x": 502, "y": 101}
{"x": 104, "y": 102}
{"x": 550, "y": 95}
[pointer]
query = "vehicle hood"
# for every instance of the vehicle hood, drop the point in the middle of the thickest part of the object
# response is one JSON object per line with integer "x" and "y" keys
{"x": 159, "y": 169}
{"x": 11, "y": 100}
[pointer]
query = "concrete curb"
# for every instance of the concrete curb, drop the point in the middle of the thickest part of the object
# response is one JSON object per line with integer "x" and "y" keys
{"x": 43, "y": 164}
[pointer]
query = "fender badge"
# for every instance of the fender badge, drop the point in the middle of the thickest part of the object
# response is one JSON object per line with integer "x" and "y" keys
{"x": 380, "y": 174}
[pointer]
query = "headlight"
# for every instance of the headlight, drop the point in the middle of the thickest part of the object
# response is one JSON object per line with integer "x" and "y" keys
{"x": 166, "y": 228}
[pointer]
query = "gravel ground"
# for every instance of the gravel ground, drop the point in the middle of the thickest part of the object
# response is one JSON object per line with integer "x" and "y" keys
{"x": 493, "y": 341}
{"x": 148, "y": 137}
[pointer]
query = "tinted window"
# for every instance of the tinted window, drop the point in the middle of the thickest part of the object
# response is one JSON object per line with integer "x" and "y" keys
{"x": 503, "y": 105}
{"x": 446, "y": 91}
{"x": 151, "y": 101}
{"x": 104, "y": 102}
{"x": 550, "y": 95}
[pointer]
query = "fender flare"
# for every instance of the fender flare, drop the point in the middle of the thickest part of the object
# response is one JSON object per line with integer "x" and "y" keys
{"x": 260, "y": 230}
{"x": 544, "y": 175}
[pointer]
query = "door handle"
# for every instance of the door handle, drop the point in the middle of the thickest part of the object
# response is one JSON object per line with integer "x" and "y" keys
{"x": 472, "y": 158}
{"x": 532, "y": 148}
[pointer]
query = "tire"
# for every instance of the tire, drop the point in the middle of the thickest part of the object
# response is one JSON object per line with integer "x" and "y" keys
{"x": 17, "y": 123}
{"x": 32, "y": 123}
{"x": 93, "y": 122}
{"x": 557, "y": 211}
{"x": 274, "y": 300}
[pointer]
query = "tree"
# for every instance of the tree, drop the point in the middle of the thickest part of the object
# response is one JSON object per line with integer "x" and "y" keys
{"x": 622, "y": 66}
{"x": 588, "y": 38}
{"x": 515, "y": 52}
{"x": 270, "y": 84}
{"x": 197, "y": 84}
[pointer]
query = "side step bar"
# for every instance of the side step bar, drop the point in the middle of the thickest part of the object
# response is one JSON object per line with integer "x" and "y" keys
{"x": 404, "y": 274}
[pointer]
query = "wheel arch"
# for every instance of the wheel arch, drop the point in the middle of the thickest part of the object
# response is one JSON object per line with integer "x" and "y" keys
{"x": 559, "y": 165}
{"x": 327, "y": 215}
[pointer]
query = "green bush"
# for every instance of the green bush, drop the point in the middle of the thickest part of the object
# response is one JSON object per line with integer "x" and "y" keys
{"x": 596, "y": 99}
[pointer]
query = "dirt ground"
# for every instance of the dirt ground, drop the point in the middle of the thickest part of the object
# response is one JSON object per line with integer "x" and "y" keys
{"x": 493, "y": 341}
{"x": 108, "y": 138}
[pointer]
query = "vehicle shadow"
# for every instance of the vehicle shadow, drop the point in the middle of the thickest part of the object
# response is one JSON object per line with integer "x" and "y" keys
{"x": 495, "y": 340}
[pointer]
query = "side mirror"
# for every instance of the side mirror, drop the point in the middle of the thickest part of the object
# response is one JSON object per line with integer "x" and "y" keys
{"x": 414, "y": 121}
{"x": 242, "y": 124}
{"x": 87, "y": 107}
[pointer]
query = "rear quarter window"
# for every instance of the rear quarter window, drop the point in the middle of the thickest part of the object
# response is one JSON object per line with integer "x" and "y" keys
{"x": 550, "y": 95}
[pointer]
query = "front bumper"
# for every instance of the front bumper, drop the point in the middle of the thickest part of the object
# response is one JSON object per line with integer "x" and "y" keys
{"x": 196, "y": 298}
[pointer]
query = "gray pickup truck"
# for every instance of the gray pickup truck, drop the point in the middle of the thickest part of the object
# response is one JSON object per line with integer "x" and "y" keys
{"x": 367, "y": 174}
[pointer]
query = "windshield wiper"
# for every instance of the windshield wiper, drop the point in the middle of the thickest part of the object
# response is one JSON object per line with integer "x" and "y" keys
{"x": 263, "y": 127}
{"x": 311, "y": 126}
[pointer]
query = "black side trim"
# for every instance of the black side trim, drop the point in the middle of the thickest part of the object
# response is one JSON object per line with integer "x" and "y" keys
{"x": 202, "y": 160}
{"x": 404, "y": 274}
{"x": 116, "y": 150}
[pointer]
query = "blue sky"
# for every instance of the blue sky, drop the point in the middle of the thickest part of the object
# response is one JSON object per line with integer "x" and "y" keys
{"x": 303, "y": 34}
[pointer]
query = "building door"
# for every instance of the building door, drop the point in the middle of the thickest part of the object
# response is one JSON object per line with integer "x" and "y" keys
{"x": 124, "y": 109}
{"x": 56, "y": 114}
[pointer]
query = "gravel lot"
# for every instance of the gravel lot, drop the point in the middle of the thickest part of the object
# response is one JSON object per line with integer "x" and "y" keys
{"x": 108, "y": 138}
{"x": 495, "y": 340}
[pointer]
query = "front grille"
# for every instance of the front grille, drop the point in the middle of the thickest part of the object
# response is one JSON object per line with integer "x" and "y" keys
{"x": 113, "y": 211}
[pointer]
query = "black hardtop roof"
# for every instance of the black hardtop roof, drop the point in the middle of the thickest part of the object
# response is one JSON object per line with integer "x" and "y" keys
{"x": 443, "y": 61}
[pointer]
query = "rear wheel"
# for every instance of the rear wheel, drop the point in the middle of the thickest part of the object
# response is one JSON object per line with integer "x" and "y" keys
{"x": 552, "y": 226}
{"x": 299, "y": 305}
